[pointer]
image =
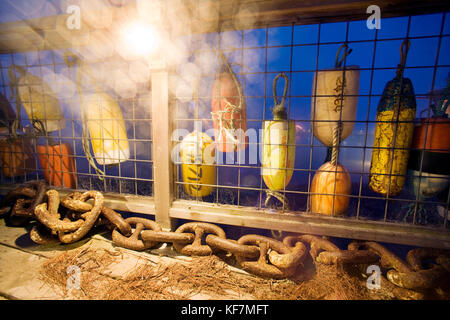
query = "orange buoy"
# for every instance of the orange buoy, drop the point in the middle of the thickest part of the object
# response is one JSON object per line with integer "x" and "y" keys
{"x": 228, "y": 111}
{"x": 57, "y": 164}
{"x": 330, "y": 188}
{"x": 16, "y": 155}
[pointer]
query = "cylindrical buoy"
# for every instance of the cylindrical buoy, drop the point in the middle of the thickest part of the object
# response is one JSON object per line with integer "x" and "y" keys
{"x": 57, "y": 164}
{"x": 197, "y": 164}
{"x": 102, "y": 121}
{"x": 334, "y": 100}
{"x": 107, "y": 130}
{"x": 16, "y": 155}
{"x": 37, "y": 98}
{"x": 278, "y": 156}
{"x": 393, "y": 133}
{"x": 228, "y": 111}
{"x": 330, "y": 188}
{"x": 278, "y": 153}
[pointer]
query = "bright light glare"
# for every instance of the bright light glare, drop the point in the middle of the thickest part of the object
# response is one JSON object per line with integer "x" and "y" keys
{"x": 142, "y": 39}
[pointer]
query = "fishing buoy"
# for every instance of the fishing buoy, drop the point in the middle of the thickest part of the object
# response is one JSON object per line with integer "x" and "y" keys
{"x": 330, "y": 188}
{"x": 228, "y": 110}
{"x": 331, "y": 184}
{"x": 393, "y": 132}
{"x": 57, "y": 164}
{"x": 56, "y": 160}
{"x": 333, "y": 112}
{"x": 16, "y": 155}
{"x": 102, "y": 121}
{"x": 107, "y": 130}
{"x": 278, "y": 148}
{"x": 37, "y": 98}
{"x": 428, "y": 170}
{"x": 198, "y": 172}
{"x": 335, "y": 98}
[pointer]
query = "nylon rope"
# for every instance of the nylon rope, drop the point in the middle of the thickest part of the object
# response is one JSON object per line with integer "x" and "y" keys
{"x": 227, "y": 126}
{"x": 84, "y": 139}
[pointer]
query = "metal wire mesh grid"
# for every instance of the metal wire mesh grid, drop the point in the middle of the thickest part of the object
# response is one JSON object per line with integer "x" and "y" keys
{"x": 133, "y": 176}
{"x": 301, "y": 51}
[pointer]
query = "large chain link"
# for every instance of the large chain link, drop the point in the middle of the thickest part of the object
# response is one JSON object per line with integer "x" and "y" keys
{"x": 18, "y": 205}
{"x": 69, "y": 219}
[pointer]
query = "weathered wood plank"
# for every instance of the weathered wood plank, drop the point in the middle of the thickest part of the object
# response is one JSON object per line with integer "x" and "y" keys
{"x": 186, "y": 17}
{"x": 301, "y": 222}
{"x": 162, "y": 164}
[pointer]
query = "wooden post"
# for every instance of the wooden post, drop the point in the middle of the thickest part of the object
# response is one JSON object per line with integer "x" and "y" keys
{"x": 161, "y": 133}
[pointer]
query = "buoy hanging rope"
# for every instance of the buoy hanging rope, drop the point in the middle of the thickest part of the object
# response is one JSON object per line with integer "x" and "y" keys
{"x": 336, "y": 142}
{"x": 338, "y": 64}
{"x": 71, "y": 60}
{"x": 279, "y": 110}
{"x": 404, "y": 48}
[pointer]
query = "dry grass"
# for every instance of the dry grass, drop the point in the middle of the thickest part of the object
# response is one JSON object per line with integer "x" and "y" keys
{"x": 209, "y": 276}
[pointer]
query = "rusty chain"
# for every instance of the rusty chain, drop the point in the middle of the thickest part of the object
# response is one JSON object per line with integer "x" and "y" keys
{"x": 410, "y": 274}
{"x": 69, "y": 219}
{"x": 135, "y": 240}
{"x": 17, "y": 207}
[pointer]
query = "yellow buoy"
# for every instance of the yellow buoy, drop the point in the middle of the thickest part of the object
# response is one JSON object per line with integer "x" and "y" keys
{"x": 278, "y": 148}
{"x": 393, "y": 133}
{"x": 278, "y": 153}
{"x": 197, "y": 156}
{"x": 37, "y": 98}
{"x": 107, "y": 129}
{"x": 102, "y": 121}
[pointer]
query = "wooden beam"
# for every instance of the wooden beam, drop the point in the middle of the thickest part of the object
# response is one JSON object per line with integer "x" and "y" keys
{"x": 161, "y": 137}
{"x": 202, "y": 16}
{"x": 301, "y": 222}
{"x": 224, "y": 15}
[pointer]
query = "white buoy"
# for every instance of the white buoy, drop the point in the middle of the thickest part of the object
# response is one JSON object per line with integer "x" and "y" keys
{"x": 334, "y": 99}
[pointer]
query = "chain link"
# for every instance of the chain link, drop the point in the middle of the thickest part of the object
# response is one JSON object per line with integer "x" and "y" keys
{"x": 261, "y": 267}
{"x": 135, "y": 241}
{"x": 410, "y": 274}
{"x": 69, "y": 219}
{"x": 19, "y": 204}
{"x": 196, "y": 248}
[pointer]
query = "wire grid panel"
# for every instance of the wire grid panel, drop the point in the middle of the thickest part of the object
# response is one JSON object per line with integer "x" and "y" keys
{"x": 126, "y": 83}
{"x": 300, "y": 51}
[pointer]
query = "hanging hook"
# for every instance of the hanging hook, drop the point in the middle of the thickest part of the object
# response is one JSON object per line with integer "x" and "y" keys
{"x": 286, "y": 81}
{"x": 404, "y": 48}
{"x": 338, "y": 62}
{"x": 279, "y": 110}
